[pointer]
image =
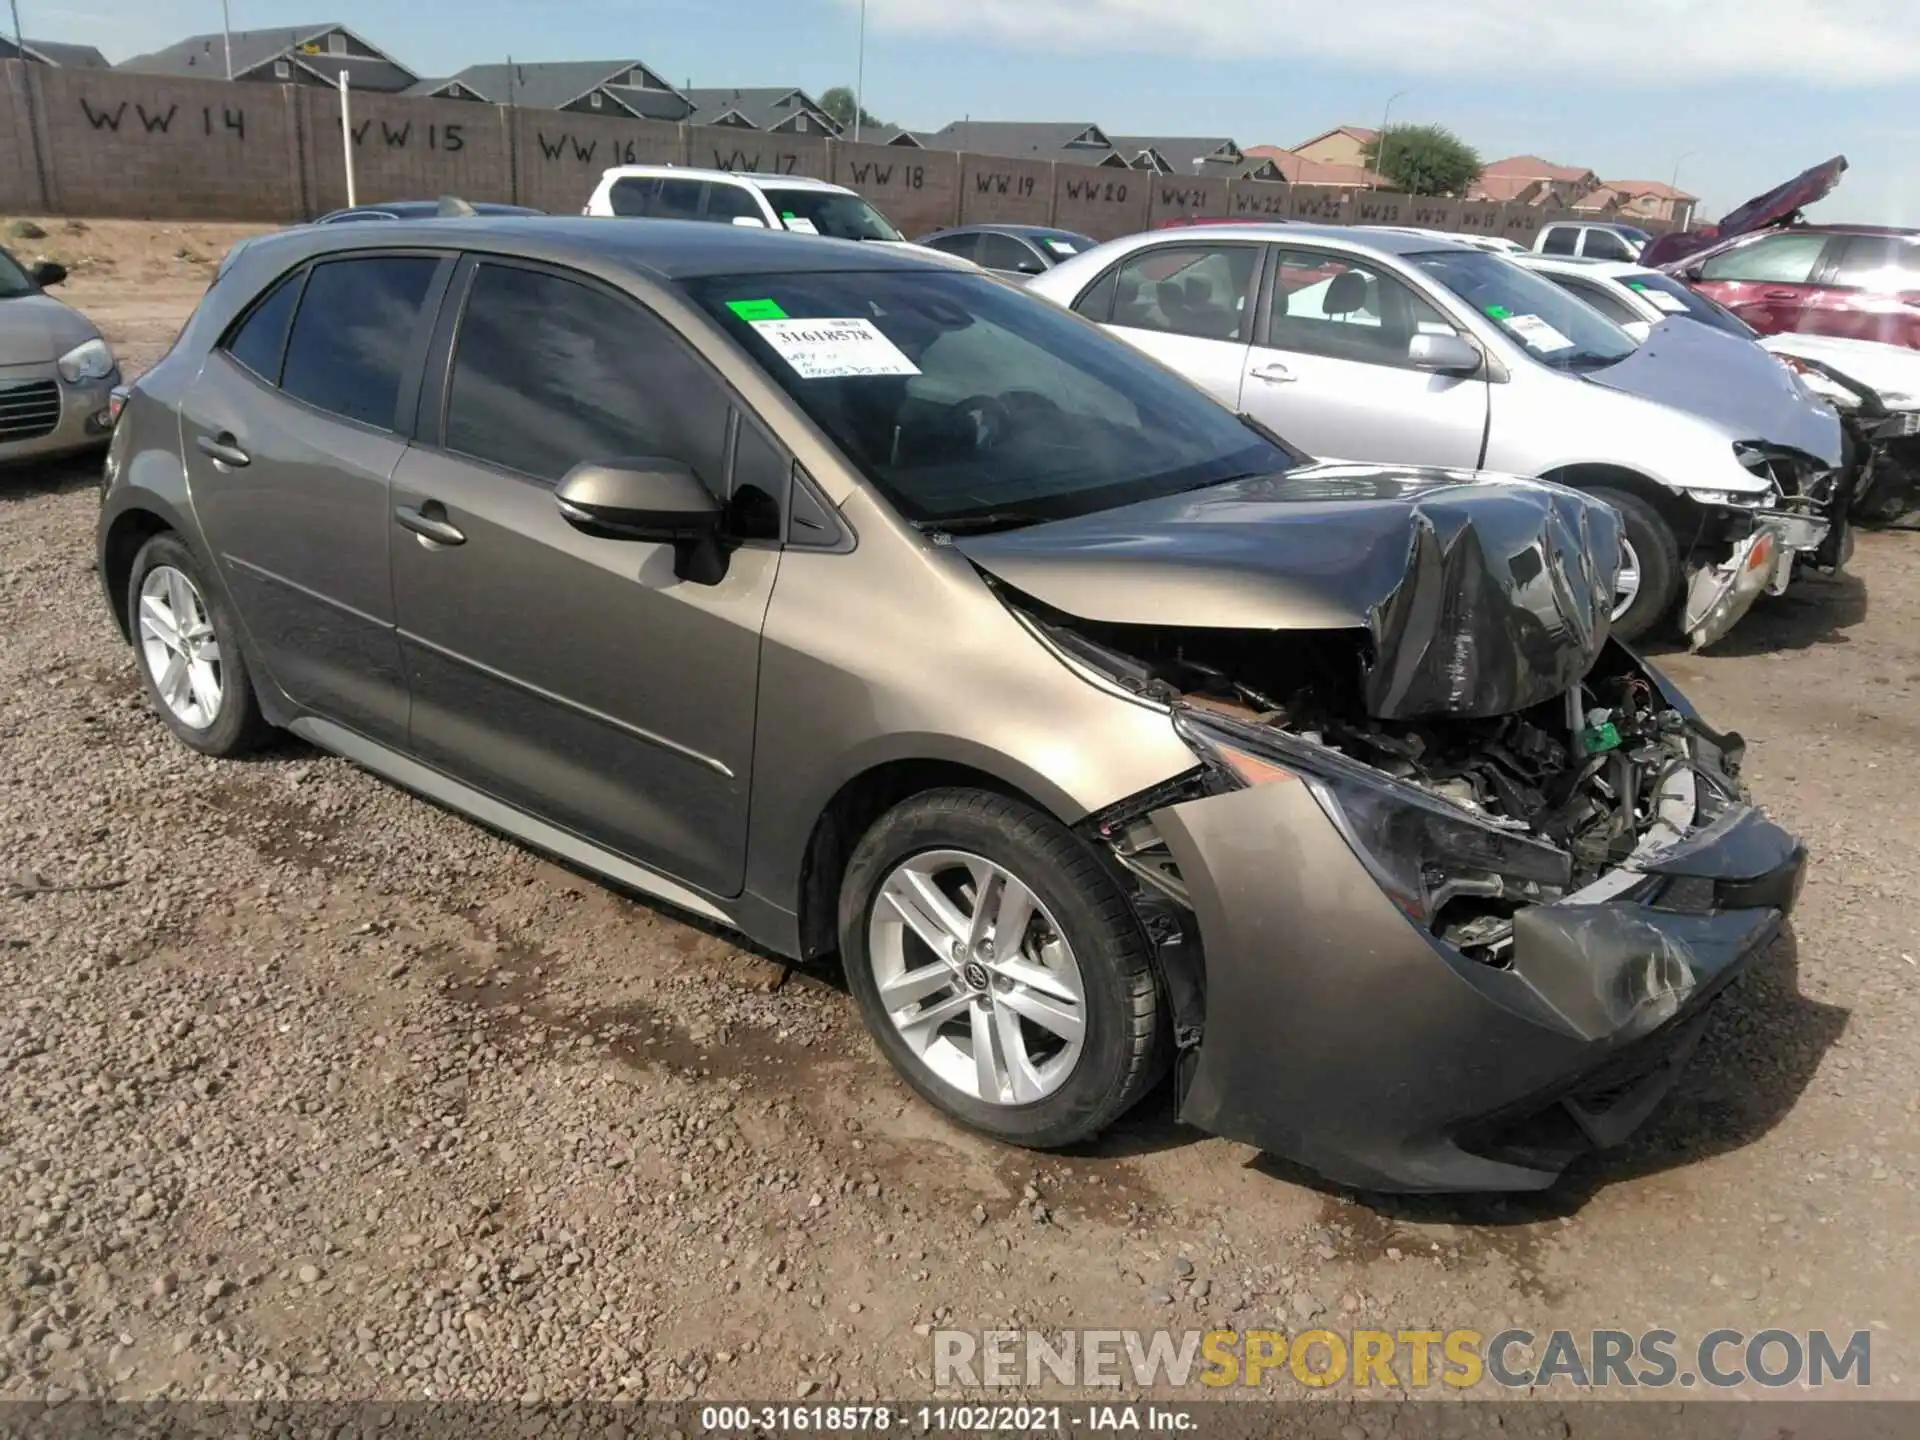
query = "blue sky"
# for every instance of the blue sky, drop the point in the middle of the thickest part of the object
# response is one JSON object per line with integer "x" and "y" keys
{"x": 1739, "y": 93}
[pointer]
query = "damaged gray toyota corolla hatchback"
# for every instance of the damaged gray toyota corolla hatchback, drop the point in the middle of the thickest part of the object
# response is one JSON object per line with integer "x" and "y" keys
{"x": 870, "y": 607}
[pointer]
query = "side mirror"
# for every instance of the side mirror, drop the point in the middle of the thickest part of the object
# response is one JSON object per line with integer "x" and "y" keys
{"x": 1031, "y": 267}
{"x": 1694, "y": 271}
{"x": 48, "y": 272}
{"x": 1443, "y": 354}
{"x": 750, "y": 222}
{"x": 640, "y": 499}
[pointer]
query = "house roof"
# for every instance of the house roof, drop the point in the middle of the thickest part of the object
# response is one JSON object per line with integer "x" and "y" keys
{"x": 1358, "y": 132}
{"x": 1299, "y": 170}
{"x": 552, "y": 84}
{"x": 1184, "y": 154}
{"x": 56, "y": 52}
{"x": 1658, "y": 189}
{"x": 765, "y": 107}
{"x": 1532, "y": 167}
{"x": 206, "y": 56}
{"x": 1038, "y": 140}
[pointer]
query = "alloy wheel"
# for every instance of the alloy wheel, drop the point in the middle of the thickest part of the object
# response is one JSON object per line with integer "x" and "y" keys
{"x": 977, "y": 977}
{"x": 177, "y": 642}
{"x": 1626, "y": 589}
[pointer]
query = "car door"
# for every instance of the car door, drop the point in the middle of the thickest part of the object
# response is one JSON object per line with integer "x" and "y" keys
{"x": 1329, "y": 370}
{"x": 290, "y": 436}
{"x": 1868, "y": 289}
{"x": 1767, "y": 282}
{"x": 1189, "y": 305}
{"x": 576, "y": 677}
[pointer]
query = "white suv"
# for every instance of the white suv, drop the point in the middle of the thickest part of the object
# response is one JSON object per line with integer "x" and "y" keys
{"x": 772, "y": 202}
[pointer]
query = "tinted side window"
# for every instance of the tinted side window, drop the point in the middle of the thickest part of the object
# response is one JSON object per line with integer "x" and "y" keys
{"x": 549, "y": 372}
{"x": 1096, "y": 302}
{"x": 632, "y": 196}
{"x": 1881, "y": 263}
{"x": 260, "y": 339}
{"x": 1198, "y": 290}
{"x": 1003, "y": 252}
{"x": 354, "y": 335}
{"x": 1325, "y": 305}
{"x": 962, "y": 245}
{"x": 726, "y": 203}
{"x": 1600, "y": 298}
{"x": 1560, "y": 240}
{"x": 1786, "y": 259}
{"x": 1605, "y": 245}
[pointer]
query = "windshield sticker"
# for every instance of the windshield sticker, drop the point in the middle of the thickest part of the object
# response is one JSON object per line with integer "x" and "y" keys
{"x": 1660, "y": 300}
{"x": 834, "y": 349}
{"x": 1499, "y": 312}
{"x": 757, "y": 309}
{"x": 1061, "y": 247}
{"x": 1537, "y": 333}
{"x": 799, "y": 224}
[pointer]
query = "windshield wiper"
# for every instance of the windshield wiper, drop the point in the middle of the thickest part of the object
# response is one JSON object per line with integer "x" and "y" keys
{"x": 983, "y": 523}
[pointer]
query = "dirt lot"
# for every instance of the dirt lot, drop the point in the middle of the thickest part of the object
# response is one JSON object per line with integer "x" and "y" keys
{"x": 309, "y": 1089}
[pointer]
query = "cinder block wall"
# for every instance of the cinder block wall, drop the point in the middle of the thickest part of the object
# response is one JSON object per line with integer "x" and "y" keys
{"x": 109, "y": 143}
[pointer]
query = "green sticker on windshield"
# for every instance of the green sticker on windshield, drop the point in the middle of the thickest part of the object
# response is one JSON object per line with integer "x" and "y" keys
{"x": 1499, "y": 312}
{"x": 751, "y": 310}
{"x": 788, "y": 215}
{"x": 1639, "y": 285}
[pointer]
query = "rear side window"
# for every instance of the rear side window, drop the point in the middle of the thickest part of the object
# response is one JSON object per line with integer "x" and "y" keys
{"x": 656, "y": 198}
{"x": 1003, "y": 252}
{"x": 260, "y": 339}
{"x": 727, "y": 203}
{"x": 1881, "y": 263}
{"x": 1199, "y": 290}
{"x": 354, "y": 335}
{"x": 1560, "y": 240}
{"x": 962, "y": 245}
{"x": 1605, "y": 245}
{"x": 548, "y": 372}
{"x": 1600, "y": 298}
{"x": 1784, "y": 259}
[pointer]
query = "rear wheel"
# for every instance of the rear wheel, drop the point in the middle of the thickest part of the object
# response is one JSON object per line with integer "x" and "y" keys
{"x": 1000, "y": 968}
{"x": 1649, "y": 584}
{"x": 189, "y": 654}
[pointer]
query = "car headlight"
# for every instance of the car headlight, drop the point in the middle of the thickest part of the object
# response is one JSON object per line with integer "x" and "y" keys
{"x": 89, "y": 360}
{"x": 1421, "y": 850}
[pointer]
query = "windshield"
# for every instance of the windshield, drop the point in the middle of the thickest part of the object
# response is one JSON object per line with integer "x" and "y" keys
{"x": 829, "y": 212}
{"x": 1671, "y": 297}
{"x": 1552, "y": 326}
{"x": 14, "y": 282}
{"x": 959, "y": 397}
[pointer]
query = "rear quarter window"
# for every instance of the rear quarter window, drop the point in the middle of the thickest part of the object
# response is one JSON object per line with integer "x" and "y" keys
{"x": 353, "y": 335}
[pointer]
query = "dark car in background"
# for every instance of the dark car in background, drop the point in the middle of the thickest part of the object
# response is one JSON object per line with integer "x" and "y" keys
{"x": 422, "y": 210}
{"x": 1010, "y": 249}
{"x": 1156, "y": 745}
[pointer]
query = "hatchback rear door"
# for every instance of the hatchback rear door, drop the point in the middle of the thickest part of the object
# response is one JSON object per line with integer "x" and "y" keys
{"x": 290, "y": 435}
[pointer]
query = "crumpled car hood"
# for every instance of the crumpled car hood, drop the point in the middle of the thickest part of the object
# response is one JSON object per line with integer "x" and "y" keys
{"x": 37, "y": 328}
{"x": 1815, "y": 183}
{"x": 1730, "y": 380}
{"x": 1477, "y": 596}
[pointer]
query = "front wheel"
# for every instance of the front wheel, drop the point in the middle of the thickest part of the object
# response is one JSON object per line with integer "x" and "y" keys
{"x": 1000, "y": 968}
{"x": 1649, "y": 583}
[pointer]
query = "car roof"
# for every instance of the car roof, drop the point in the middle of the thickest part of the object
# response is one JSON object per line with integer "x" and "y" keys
{"x": 424, "y": 208}
{"x": 659, "y": 249}
{"x": 1357, "y": 237}
{"x": 989, "y": 227}
{"x": 748, "y": 177}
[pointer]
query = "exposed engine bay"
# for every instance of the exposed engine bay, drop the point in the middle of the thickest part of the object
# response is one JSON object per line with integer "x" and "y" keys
{"x": 1578, "y": 783}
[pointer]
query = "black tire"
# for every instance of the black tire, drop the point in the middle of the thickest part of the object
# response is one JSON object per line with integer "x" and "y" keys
{"x": 1127, "y": 1040}
{"x": 1657, "y": 551}
{"x": 238, "y": 726}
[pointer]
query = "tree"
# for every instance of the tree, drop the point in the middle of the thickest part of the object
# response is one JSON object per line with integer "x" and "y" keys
{"x": 839, "y": 103}
{"x": 1422, "y": 159}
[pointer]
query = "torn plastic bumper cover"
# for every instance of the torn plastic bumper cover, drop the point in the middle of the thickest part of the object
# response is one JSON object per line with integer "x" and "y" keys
{"x": 1339, "y": 1035}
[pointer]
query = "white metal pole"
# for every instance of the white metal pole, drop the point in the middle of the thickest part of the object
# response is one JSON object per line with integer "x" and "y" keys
{"x": 346, "y": 139}
{"x": 21, "y": 45}
{"x": 859, "y": 75}
{"x": 226, "y": 34}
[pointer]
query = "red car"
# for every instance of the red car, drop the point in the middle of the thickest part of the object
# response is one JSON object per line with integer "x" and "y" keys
{"x": 1778, "y": 273}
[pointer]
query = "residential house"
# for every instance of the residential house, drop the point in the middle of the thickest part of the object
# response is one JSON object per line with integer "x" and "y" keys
{"x": 1074, "y": 141}
{"x": 300, "y": 55}
{"x": 1653, "y": 200}
{"x": 1529, "y": 180}
{"x": 52, "y": 52}
{"x": 894, "y": 135}
{"x": 1342, "y": 145}
{"x": 627, "y": 88}
{"x": 1193, "y": 155}
{"x": 1296, "y": 169}
{"x": 780, "y": 109}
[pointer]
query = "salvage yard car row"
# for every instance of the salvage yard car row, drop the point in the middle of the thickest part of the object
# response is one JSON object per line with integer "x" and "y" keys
{"x": 1264, "y": 726}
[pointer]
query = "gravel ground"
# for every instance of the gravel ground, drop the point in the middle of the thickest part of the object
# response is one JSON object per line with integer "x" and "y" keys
{"x": 309, "y": 1089}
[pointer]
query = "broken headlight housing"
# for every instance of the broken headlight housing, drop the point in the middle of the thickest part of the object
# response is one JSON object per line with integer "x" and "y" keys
{"x": 1453, "y": 873}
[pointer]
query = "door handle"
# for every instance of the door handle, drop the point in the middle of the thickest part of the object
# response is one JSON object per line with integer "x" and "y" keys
{"x": 1273, "y": 373}
{"x": 1779, "y": 294}
{"x": 429, "y": 520}
{"x": 223, "y": 449}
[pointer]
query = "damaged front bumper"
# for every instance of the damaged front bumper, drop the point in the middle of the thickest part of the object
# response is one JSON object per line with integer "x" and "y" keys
{"x": 1762, "y": 562}
{"x": 1339, "y": 1035}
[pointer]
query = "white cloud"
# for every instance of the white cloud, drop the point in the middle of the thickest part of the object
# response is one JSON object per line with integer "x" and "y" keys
{"x": 1613, "y": 42}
